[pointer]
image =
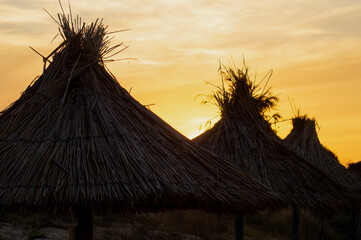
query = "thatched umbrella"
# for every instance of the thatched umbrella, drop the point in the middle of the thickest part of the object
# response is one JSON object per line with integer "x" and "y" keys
{"x": 245, "y": 137}
{"x": 76, "y": 139}
{"x": 304, "y": 140}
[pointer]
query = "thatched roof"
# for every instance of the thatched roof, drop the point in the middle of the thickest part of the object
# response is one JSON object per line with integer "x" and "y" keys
{"x": 355, "y": 169}
{"x": 76, "y": 137}
{"x": 304, "y": 140}
{"x": 243, "y": 136}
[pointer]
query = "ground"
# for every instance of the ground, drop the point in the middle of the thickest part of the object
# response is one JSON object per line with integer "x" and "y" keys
{"x": 177, "y": 225}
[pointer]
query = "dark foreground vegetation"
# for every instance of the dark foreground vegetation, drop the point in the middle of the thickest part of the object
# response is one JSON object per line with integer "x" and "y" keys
{"x": 176, "y": 225}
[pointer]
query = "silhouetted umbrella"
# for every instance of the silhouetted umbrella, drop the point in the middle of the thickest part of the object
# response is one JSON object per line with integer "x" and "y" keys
{"x": 246, "y": 139}
{"x": 304, "y": 140}
{"x": 76, "y": 139}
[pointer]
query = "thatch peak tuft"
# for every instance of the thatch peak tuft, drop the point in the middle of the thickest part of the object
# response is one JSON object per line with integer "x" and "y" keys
{"x": 83, "y": 42}
{"x": 304, "y": 123}
{"x": 239, "y": 95}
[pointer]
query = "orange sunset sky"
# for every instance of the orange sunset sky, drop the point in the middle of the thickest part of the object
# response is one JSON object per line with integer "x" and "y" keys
{"x": 313, "y": 47}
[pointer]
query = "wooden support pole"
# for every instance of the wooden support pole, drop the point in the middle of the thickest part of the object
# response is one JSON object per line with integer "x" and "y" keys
{"x": 239, "y": 227}
{"x": 72, "y": 233}
{"x": 296, "y": 223}
{"x": 321, "y": 227}
{"x": 355, "y": 226}
{"x": 84, "y": 229}
{"x": 358, "y": 226}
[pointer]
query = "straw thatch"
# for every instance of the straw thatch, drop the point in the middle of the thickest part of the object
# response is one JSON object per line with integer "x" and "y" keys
{"x": 245, "y": 137}
{"x": 355, "y": 169}
{"x": 75, "y": 137}
{"x": 304, "y": 140}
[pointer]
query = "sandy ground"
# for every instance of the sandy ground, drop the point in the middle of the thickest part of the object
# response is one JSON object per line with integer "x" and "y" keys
{"x": 10, "y": 231}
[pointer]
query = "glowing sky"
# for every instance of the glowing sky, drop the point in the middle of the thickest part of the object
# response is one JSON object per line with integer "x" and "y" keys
{"x": 313, "y": 47}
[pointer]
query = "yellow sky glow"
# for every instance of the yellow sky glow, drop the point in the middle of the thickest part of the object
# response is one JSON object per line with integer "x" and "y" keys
{"x": 314, "y": 49}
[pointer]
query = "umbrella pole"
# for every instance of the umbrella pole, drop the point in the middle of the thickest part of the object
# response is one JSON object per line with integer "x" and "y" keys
{"x": 239, "y": 227}
{"x": 84, "y": 229}
{"x": 355, "y": 226}
{"x": 296, "y": 223}
{"x": 358, "y": 226}
{"x": 321, "y": 227}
